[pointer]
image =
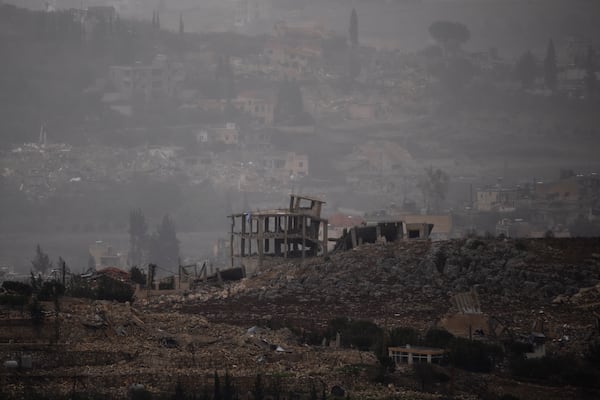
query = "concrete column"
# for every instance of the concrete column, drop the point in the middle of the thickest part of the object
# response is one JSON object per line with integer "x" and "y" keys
{"x": 242, "y": 238}
{"x": 303, "y": 237}
{"x": 285, "y": 237}
{"x": 260, "y": 243}
{"x": 231, "y": 240}
{"x": 325, "y": 238}
{"x": 251, "y": 234}
{"x": 266, "y": 249}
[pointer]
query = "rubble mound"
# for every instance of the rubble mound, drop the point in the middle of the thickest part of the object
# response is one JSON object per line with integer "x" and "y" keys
{"x": 410, "y": 283}
{"x": 258, "y": 323}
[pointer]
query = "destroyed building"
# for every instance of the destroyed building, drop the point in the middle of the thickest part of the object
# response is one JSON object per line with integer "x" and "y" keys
{"x": 297, "y": 231}
{"x": 390, "y": 231}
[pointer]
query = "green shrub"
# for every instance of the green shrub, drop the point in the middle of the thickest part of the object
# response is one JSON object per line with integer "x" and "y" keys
{"x": 112, "y": 289}
{"x": 559, "y": 370}
{"x": 36, "y": 311}
{"x": 386, "y": 367}
{"x": 593, "y": 353}
{"x": 80, "y": 288}
{"x": 403, "y": 335}
{"x": 473, "y": 355}
{"x": 518, "y": 349}
{"x": 13, "y": 300}
{"x": 474, "y": 244}
{"x": 423, "y": 374}
{"x": 50, "y": 290}
{"x": 521, "y": 245}
{"x": 440, "y": 259}
{"x": 18, "y": 288}
{"x": 440, "y": 338}
{"x": 361, "y": 334}
{"x": 507, "y": 396}
{"x": 138, "y": 275}
{"x": 140, "y": 394}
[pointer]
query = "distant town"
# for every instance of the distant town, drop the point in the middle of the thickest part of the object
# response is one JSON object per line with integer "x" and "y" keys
{"x": 299, "y": 199}
{"x": 305, "y": 108}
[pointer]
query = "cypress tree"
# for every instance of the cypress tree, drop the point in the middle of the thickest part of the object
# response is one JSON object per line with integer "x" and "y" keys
{"x": 550, "y": 70}
{"x": 591, "y": 82}
{"x": 526, "y": 70}
{"x": 179, "y": 392}
{"x": 313, "y": 392}
{"x": 205, "y": 393}
{"x": 353, "y": 30}
{"x": 217, "y": 392}
{"x": 259, "y": 393}
{"x": 164, "y": 249}
{"x": 138, "y": 237}
{"x": 228, "y": 390}
{"x": 41, "y": 263}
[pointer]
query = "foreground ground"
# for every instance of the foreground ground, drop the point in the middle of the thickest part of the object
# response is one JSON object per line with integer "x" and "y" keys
{"x": 262, "y": 324}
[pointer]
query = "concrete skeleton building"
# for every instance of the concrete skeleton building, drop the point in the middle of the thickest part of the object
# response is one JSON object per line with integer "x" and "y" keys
{"x": 300, "y": 231}
{"x": 288, "y": 232}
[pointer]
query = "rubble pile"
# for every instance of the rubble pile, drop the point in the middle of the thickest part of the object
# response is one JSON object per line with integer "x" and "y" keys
{"x": 110, "y": 346}
{"x": 411, "y": 284}
{"x": 241, "y": 327}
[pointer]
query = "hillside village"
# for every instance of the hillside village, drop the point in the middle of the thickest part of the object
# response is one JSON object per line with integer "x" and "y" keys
{"x": 335, "y": 217}
{"x": 301, "y": 107}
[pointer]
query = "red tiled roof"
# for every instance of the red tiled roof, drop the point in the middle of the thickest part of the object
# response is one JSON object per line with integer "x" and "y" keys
{"x": 115, "y": 273}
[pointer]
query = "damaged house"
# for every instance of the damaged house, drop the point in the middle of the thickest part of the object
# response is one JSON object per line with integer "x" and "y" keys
{"x": 388, "y": 231}
{"x": 297, "y": 231}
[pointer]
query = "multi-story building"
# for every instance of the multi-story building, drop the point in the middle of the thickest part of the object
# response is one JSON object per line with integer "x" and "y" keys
{"x": 247, "y": 11}
{"x": 161, "y": 79}
{"x": 262, "y": 236}
{"x": 226, "y": 134}
{"x": 496, "y": 199}
{"x": 293, "y": 51}
{"x": 285, "y": 165}
{"x": 259, "y": 105}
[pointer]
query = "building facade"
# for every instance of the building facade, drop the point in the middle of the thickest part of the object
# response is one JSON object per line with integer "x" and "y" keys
{"x": 160, "y": 79}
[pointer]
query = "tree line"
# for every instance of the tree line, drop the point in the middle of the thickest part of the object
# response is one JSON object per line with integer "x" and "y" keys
{"x": 160, "y": 247}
